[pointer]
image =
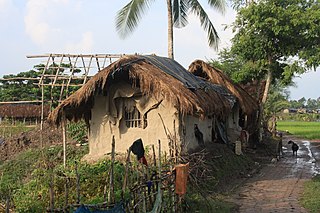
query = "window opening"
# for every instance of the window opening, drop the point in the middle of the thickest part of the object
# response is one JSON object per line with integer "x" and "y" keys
{"x": 134, "y": 119}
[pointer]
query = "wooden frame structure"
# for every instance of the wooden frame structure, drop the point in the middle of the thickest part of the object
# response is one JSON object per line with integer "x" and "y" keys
{"x": 66, "y": 70}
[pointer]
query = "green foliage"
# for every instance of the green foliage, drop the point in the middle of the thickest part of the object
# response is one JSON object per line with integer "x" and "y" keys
{"x": 12, "y": 179}
{"x": 271, "y": 33}
{"x": 306, "y": 117}
{"x": 309, "y": 130}
{"x": 78, "y": 131}
{"x": 311, "y": 104}
{"x": 26, "y": 178}
{"x": 277, "y": 101}
{"x": 238, "y": 69}
{"x": 311, "y": 195}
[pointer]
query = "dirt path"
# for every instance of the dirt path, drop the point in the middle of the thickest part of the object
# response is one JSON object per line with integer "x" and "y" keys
{"x": 279, "y": 185}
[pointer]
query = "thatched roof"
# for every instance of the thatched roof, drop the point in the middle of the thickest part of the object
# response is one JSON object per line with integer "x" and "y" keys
{"x": 22, "y": 110}
{"x": 158, "y": 76}
{"x": 216, "y": 76}
{"x": 255, "y": 89}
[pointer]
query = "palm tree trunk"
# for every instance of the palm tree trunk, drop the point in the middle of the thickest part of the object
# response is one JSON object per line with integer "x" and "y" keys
{"x": 170, "y": 30}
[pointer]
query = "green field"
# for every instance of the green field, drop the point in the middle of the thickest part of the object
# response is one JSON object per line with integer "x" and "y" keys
{"x": 308, "y": 130}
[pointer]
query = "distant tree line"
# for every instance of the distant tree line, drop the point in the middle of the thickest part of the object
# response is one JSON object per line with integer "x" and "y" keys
{"x": 24, "y": 85}
{"x": 305, "y": 103}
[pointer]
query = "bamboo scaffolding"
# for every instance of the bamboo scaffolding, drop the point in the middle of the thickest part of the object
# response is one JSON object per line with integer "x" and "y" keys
{"x": 77, "y": 55}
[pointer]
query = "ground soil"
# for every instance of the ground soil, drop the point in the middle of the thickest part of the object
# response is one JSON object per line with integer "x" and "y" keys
{"x": 50, "y": 135}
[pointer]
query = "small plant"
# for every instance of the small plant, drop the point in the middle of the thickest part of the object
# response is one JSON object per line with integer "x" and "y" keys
{"x": 78, "y": 131}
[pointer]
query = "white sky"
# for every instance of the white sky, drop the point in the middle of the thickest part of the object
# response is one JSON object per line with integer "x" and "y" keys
{"x": 32, "y": 27}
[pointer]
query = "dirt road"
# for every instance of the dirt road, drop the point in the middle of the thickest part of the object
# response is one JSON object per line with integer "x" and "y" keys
{"x": 278, "y": 186}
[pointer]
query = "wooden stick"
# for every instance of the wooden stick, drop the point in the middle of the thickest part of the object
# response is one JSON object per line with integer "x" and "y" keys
{"x": 125, "y": 179}
{"x": 111, "y": 191}
{"x": 78, "y": 183}
{"x": 8, "y": 205}
{"x": 51, "y": 191}
{"x": 66, "y": 187}
{"x": 64, "y": 139}
{"x": 154, "y": 156}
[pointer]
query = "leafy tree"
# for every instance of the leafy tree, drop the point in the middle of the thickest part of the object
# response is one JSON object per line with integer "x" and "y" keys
{"x": 238, "y": 4}
{"x": 302, "y": 102}
{"x": 295, "y": 104}
{"x": 311, "y": 103}
{"x": 129, "y": 16}
{"x": 238, "y": 69}
{"x": 273, "y": 32}
{"x": 280, "y": 36}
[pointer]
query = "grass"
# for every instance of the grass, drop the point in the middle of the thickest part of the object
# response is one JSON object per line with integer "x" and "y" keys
{"x": 311, "y": 195}
{"x": 26, "y": 180}
{"x": 308, "y": 130}
{"x": 7, "y": 131}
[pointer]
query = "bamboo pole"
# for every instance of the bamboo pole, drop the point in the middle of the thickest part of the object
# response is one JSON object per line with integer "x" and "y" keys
{"x": 75, "y": 55}
{"x": 64, "y": 138}
{"x": 72, "y": 73}
{"x": 86, "y": 70}
{"x": 18, "y": 78}
{"x": 20, "y": 102}
{"x": 78, "y": 182}
{"x": 42, "y": 108}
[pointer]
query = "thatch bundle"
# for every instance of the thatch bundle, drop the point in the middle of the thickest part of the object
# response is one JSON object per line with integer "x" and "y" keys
{"x": 216, "y": 76}
{"x": 160, "y": 77}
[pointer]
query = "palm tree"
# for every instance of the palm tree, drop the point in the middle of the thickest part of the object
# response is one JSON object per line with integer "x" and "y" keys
{"x": 128, "y": 17}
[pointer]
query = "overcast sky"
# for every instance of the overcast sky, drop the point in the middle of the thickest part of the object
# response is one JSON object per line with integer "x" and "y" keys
{"x": 32, "y": 27}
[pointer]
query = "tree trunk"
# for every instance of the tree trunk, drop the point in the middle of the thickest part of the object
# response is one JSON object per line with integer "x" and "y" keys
{"x": 264, "y": 98}
{"x": 170, "y": 30}
{"x": 266, "y": 89}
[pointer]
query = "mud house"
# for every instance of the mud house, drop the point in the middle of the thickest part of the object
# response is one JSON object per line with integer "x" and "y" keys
{"x": 148, "y": 97}
{"x": 244, "y": 112}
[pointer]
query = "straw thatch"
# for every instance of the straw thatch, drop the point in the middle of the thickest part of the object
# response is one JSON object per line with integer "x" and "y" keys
{"x": 22, "y": 110}
{"x": 216, "y": 76}
{"x": 142, "y": 73}
{"x": 255, "y": 89}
